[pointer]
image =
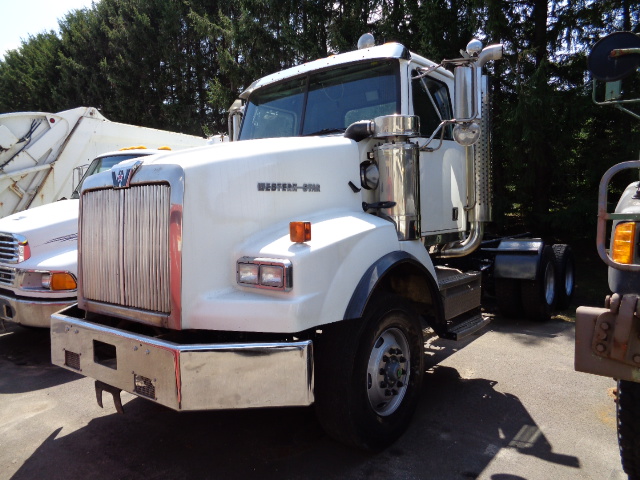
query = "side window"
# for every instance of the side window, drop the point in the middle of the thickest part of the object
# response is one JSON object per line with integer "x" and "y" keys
{"x": 432, "y": 104}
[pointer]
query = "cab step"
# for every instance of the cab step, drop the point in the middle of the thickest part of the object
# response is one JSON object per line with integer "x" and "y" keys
{"x": 460, "y": 291}
{"x": 469, "y": 325}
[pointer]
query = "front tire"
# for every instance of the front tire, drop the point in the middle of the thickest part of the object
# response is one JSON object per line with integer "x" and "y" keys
{"x": 369, "y": 374}
{"x": 628, "y": 415}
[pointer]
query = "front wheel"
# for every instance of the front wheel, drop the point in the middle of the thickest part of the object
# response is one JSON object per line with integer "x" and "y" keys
{"x": 628, "y": 415}
{"x": 369, "y": 374}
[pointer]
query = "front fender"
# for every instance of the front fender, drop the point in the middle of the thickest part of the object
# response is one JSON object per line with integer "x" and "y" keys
{"x": 326, "y": 272}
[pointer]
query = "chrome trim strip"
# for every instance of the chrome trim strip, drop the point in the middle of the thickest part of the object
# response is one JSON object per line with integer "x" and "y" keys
{"x": 128, "y": 313}
{"x": 193, "y": 376}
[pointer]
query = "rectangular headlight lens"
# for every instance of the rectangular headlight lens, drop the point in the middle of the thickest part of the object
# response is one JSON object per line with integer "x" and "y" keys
{"x": 271, "y": 276}
{"x": 267, "y": 273}
{"x": 248, "y": 273}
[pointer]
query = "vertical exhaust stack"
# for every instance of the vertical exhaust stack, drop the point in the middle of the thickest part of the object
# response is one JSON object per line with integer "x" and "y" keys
{"x": 483, "y": 163}
{"x": 480, "y": 201}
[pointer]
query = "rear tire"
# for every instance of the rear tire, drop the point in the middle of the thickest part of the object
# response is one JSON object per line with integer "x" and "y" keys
{"x": 628, "y": 415}
{"x": 565, "y": 275}
{"x": 369, "y": 374}
{"x": 539, "y": 296}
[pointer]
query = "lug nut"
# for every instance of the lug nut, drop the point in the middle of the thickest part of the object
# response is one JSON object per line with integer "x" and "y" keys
{"x": 381, "y": 371}
{"x": 400, "y": 384}
{"x": 385, "y": 359}
{"x": 402, "y": 359}
{"x": 636, "y": 358}
{"x": 394, "y": 392}
{"x": 383, "y": 384}
{"x": 600, "y": 347}
{"x": 605, "y": 326}
{"x": 387, "y": 393}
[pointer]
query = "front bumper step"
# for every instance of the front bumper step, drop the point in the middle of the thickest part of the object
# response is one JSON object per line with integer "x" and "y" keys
{"x": 184, "y": 376}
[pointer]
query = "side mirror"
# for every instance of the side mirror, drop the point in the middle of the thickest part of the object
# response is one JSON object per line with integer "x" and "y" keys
{"x": 236, "y": 112}
{"x": 465, "y": 108}
{"x": 466, "y": 77}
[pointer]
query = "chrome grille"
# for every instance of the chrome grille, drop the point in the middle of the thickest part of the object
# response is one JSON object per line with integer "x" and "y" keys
{"x": 8, "y": 248}
{"x": 7, "y": 275}
{"x": 125, "y": 247}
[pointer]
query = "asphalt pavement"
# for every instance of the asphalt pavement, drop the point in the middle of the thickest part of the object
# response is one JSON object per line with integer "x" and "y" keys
{"x": 504, "y": 405}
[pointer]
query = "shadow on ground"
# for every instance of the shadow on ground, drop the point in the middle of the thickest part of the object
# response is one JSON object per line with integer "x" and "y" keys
{"x": 25, "y": 361}
{"x": 459, "y": 427}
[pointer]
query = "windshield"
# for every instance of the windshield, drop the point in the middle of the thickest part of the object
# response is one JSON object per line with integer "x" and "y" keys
{"x": 101, "y": 164}
{"x": 323, "y": 102}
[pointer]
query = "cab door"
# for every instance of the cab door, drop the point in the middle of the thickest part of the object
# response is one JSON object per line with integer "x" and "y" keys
{"x": 443, "y": 171}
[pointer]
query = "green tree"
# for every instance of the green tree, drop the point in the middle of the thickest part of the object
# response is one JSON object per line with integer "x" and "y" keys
{"x": 28, "y": 75}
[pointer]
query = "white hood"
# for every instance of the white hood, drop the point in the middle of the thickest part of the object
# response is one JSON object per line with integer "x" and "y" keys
{"x": 53, "y": 222}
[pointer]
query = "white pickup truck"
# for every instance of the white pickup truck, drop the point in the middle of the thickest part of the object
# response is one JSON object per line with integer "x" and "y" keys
{"x": 38, "y": 253}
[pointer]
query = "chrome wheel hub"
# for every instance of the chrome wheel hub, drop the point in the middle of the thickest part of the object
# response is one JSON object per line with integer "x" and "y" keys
{"x": 388, "y": 371}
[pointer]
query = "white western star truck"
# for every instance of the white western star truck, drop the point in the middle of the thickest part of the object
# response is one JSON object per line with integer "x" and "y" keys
{"x": 299, "y": 263}
{"x": 43, "y": 155}
{"x": 38, "y": 251}
{"x": 608, "y": 339}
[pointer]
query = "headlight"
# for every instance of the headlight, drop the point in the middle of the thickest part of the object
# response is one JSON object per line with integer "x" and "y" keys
{"x": 248, "y": 273}
{"x": 272, "y": 276}
{"x": 45, "y": 280}
{"x": 267, "y": 273}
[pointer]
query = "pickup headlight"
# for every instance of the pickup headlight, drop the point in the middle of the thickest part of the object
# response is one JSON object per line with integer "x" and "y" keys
{"x": 267, "y": 273}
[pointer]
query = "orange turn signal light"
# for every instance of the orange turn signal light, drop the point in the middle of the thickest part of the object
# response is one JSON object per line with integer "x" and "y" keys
{"x": 63, "y": 281}
{"x": 623, "y": 245}
{"x": 300, "y": 232}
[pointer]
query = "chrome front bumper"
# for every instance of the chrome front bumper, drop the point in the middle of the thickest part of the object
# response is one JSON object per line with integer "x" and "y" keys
{"x": 185, "y": 376}
{"x": 32, "y": 312}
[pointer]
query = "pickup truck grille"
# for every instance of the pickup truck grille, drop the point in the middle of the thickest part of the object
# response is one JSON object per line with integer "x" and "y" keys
{"x": 7, "y": 276}
{"x": 124, "y": 245}
{"x": 8, "y": 248}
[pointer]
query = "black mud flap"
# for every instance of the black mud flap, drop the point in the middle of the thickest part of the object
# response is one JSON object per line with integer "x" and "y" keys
{"x": 115, "y": 393}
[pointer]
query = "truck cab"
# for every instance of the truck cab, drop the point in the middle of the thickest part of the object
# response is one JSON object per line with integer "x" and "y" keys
{"x": 299, "y": 263}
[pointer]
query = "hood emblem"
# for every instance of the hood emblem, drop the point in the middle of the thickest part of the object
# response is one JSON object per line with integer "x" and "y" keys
{"x": 122, "y": 173}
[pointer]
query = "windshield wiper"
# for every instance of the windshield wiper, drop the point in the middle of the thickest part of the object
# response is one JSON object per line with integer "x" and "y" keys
{"x": 325, "y": 131}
